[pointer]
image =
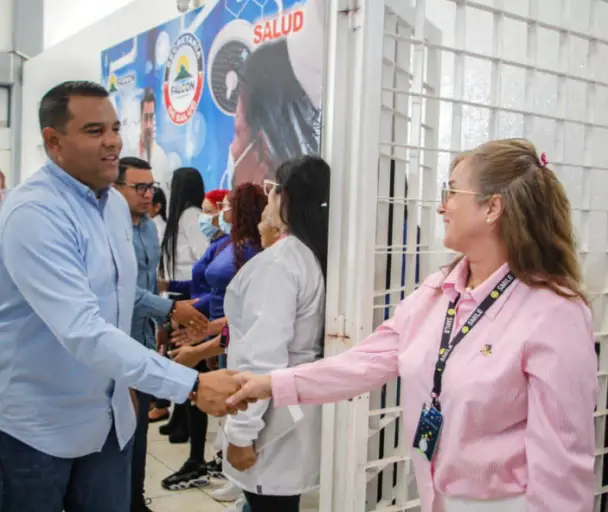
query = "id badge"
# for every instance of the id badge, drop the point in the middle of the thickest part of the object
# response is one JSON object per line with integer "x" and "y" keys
{"x": 428, "y": 431}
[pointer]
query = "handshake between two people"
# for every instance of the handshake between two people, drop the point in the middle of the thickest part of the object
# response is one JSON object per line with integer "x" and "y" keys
{"x": 226, "y": 392}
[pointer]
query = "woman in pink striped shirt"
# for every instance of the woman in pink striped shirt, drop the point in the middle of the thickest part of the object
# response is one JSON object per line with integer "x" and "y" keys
{"x": 498, "y": 348}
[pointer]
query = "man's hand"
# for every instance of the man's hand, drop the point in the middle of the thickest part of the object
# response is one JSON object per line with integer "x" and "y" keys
{"x": 188, "y": 356}
{"x": 240, "y": 458}
{"x": 252, "y": 388}
{"x": 214, "y": 388}
{"x": 163, "y": 286}
{"x": 187, "y": 315}
{"x": 183, "y": 336}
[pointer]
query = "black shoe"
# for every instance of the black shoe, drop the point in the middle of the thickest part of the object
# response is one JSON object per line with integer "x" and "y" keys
{"x": 192, "y": 474}
{"x": 178, "y": 421}
{"x": 214, "y": 467}
{"x": 141, "y": 505}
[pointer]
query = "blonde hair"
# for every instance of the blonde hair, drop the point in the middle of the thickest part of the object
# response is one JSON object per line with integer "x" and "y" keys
{"x": 536, "y": 223}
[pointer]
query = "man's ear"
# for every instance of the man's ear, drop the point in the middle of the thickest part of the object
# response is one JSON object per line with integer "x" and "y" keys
{"x": 52, "y": 140}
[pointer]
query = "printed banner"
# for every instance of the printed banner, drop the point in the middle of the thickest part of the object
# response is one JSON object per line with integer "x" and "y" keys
{"x": 233, "y": 89}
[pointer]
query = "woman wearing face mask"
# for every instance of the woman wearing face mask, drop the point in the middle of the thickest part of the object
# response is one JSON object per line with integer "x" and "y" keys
{"x": 495, "y": 352}
{"x": 275, "y": 308}
{"x": 235, "y": 240}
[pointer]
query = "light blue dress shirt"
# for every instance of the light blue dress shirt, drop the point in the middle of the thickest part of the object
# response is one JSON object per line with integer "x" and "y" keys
{"x": 149, "y": 306}
{"x": 67, "y": 289}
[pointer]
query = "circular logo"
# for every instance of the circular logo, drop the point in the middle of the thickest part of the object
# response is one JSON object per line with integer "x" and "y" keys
{"x": 225, "y": 74}
{"x": 494, "y": 294}
{"x": 183, "y": 83}
{"x": 465, "y": 329}
{"x": 451, "y": 312}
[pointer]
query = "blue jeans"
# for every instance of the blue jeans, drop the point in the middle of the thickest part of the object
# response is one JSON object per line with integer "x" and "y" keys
{"x": 140, "y": 447}
{"x": 32, "y": 481}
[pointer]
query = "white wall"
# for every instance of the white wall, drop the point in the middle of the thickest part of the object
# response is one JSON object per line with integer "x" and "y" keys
{"x": 79, "y": 58}
{"x": 64, "y": 18}
{"x": 6, "y": 25}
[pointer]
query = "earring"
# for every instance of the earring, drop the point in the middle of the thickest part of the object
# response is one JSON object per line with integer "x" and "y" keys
{"x": 489, "y": 220}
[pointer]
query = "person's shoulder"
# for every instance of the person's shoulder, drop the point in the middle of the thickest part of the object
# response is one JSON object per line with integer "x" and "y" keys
{"x": 547, "y": 305}
{"x": 294, "y": 257}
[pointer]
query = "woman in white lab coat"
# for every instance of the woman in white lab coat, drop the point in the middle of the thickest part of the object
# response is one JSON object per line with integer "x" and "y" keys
{"x": 275, "y": 309}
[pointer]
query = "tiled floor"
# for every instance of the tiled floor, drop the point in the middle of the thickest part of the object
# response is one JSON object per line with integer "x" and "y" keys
{"x": 164, "y": 458}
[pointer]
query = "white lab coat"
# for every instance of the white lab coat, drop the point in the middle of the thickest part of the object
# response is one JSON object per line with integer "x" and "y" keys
{"x": 275, "y": 309}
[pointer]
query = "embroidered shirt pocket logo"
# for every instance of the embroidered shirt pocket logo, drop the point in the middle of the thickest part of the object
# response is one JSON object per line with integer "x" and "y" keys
{"x": 486, "y": 350}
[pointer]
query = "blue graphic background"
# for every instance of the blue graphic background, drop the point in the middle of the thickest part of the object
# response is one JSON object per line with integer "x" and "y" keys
{"x": 204, "y": 141}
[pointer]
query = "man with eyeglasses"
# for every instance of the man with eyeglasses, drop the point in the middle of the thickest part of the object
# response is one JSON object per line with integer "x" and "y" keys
{"x": 136, "y": 183}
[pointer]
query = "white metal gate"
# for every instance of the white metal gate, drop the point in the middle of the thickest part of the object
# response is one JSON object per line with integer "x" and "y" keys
{"x": 410, "y": 84}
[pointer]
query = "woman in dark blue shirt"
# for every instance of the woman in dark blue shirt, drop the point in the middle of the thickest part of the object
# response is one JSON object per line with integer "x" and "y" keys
{"x": 234, "y": 241}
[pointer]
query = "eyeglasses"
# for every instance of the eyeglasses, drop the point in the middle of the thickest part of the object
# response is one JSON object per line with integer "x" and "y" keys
{"x": 147, "y": 117}
{"x": 270, "y": 185}
{"x": 141, "y": 188}
{"x": 447, "y": 191}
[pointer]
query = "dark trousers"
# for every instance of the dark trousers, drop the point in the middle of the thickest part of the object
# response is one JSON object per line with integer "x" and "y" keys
{"x": 140, "y": 447}
{"x": 259, "y": 503}
{"x": 198, "y": 422}
{"x": 33, "y": 481}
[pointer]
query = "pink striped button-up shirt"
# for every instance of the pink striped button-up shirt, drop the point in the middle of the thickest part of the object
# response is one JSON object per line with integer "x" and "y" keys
{"x": 518, "y": 392}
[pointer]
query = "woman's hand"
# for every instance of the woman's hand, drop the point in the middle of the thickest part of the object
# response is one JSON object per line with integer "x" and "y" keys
{"x": 163, "y": 286}
{"x": 241, "y": 458}
{"x": 253, "y": 388}
{"x": 188, "y": 356}
{"x": 184, "y": 337}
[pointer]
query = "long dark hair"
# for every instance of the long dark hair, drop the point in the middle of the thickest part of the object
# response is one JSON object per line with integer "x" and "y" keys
{"x": 248, "y": 202}
{"x": 304, "y": 184}
{"x": 187, "y": 190}
{"x": 160, "y": 198}
{"x": 280, "y": 115}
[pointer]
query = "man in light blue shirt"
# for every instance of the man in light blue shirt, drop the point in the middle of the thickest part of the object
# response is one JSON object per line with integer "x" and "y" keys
{"x": 68, "y": 275}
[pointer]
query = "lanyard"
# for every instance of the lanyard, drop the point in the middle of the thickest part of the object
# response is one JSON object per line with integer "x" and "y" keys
{"x": 446, "y": 349}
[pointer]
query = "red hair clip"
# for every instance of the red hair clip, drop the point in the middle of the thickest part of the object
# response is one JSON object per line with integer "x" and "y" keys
{"x": 543, "y": 159}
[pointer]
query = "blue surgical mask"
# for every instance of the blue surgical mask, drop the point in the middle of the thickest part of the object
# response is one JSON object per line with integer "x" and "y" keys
{"x": 224, "y": 226}
{"x": 205, "y": 224}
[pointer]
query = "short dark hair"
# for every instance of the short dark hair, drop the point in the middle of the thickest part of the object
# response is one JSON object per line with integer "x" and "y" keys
{"x": 128, "y": 162}
{"x": 149, "y": 97}
{"x": 54, "y": 108}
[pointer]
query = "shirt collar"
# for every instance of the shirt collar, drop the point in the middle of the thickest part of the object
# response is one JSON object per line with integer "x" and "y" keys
{"x": 76, "y": 186}
{"x": 456, "y": 281}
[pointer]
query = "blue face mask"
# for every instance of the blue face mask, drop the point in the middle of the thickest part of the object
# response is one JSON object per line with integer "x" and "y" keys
{"x": 205, "y": 224}
{"x": 224, "y": 226}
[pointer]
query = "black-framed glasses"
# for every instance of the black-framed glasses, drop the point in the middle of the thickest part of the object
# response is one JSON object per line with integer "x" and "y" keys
{"x": 270, "y": 185}
{"x": 141, "y": 189}
{"x": 149, "y": 116}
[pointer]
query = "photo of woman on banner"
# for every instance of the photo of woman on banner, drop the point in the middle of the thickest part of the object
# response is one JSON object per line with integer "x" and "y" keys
{"x": 278, "y": 114}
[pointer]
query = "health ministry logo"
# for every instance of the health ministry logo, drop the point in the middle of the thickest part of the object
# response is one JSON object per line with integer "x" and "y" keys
{"x": 183, "y": 82}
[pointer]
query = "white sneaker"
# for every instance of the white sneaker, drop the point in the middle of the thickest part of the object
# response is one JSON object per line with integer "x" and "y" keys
{"x": 227, "y": 493}
{"x": 238, "y": 506}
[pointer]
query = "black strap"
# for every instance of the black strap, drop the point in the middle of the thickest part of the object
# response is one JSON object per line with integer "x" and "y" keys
{"x": 446, "y": 348}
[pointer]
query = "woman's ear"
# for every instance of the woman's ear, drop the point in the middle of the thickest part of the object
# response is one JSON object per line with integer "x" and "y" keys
{"x": 496, "y": 206}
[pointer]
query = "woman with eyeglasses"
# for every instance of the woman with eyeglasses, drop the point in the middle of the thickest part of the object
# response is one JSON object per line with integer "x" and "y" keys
{"x": 230, "y": 221}
{"x": 275, "y": 309}
{"x": 495, "y": 352}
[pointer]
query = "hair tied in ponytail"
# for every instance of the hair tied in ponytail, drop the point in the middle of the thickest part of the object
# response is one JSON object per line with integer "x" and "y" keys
{"x": 543, "y": 159}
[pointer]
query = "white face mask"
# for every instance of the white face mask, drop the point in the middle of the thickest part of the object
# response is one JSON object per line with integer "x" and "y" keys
{"x": 231, "y": 165}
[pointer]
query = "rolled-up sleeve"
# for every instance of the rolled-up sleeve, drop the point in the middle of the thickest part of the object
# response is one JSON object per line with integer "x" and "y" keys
{"x": 561, "y": 366}
{"x": 41, "y": 254}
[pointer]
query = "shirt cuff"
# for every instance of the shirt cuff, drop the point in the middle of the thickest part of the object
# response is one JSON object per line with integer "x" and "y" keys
{"x": 284, "y": 390}
{"x": 179, "y": 382}
{"x": 161, "y": 305}
{"x": 238, "y": 436}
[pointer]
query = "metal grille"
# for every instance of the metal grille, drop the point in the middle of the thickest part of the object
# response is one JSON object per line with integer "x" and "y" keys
{"x": 456, "y": 73}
